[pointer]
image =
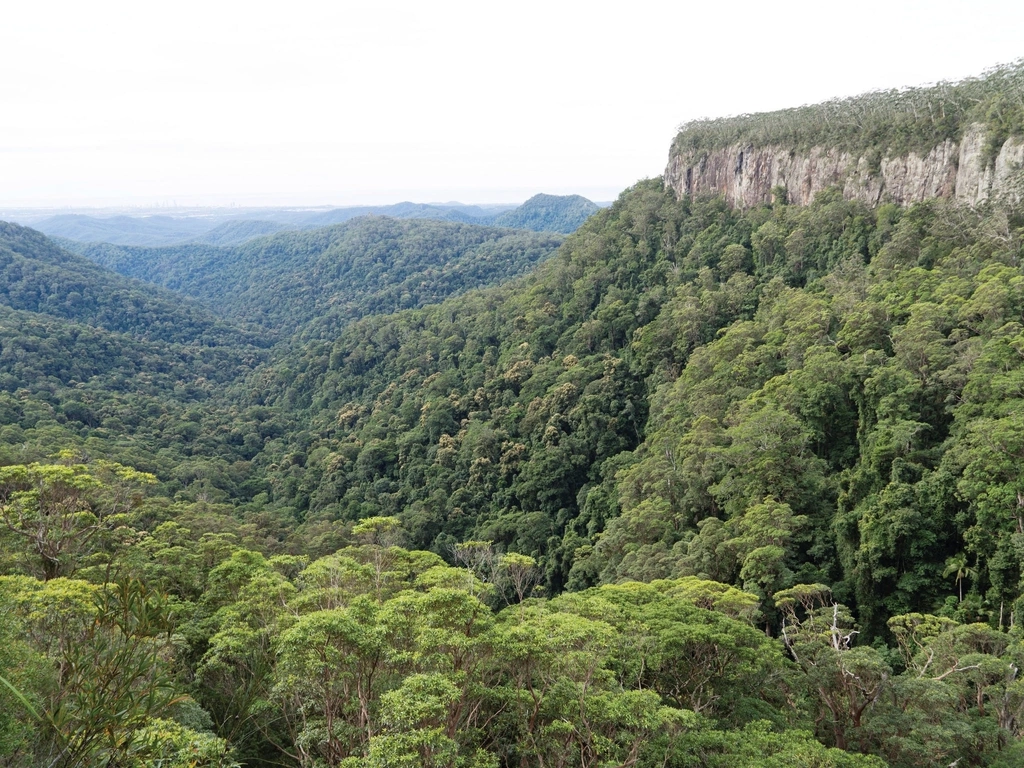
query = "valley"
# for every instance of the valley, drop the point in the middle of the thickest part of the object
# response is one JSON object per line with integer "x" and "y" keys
{"x": 725, "y": 473}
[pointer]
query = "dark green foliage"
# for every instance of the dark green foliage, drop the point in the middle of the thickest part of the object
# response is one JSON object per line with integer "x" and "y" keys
{"x": 38, "y": 277}
{"x": 106, "y": 365}
{"x": 337, "y": 274}
{"x": 549, "y": 213}
{"x": 497, "y": 415}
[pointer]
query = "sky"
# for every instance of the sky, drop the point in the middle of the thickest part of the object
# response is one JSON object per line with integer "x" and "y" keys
{"x": 110, "y": 103}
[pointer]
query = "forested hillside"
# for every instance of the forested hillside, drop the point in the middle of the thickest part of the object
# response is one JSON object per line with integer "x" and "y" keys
{"x": 465, "y": 214}
{"x": 802, "y": 354}
{"x": 337, "y": 274}
{"x": 549, "y": 213}
{"x": 37, "y": 276}
{"x": 710, "y": 486}
{"x": 110, "y": 367}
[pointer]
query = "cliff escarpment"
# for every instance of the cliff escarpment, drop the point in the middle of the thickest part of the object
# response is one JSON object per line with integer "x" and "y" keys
{"x": 747, "y": 175}
{"x": 963, "y": 141}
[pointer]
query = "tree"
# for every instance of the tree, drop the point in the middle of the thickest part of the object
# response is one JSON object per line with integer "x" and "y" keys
{"x": 479, "y": 558}
{"x": 764, "y": 533}
{"x": 846, "y": 680}
{"x": 957, "y": 566}
{"x": 328, "y": 679}
{"x": 58, "y": 510}
{"x": 110, "y": 649}
{"x": 414, "y": 731}
{"x": 518, "y": 572}
{"x": 379, "y": 537}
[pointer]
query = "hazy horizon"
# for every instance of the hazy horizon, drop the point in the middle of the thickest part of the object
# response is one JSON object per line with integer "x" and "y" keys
{"x": 138, "y": 205}
{"x": 32, "y": 214}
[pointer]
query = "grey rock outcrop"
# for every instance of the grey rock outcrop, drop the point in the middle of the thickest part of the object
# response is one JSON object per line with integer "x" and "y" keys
{"x": 747, "y": 175}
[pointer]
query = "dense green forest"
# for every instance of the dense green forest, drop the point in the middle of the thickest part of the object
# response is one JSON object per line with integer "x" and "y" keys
{"x": 549, "y": 213}
{"x": 707, "y": 487}
{"x": 36, "y": 276}
{"x": 333, "y": 275}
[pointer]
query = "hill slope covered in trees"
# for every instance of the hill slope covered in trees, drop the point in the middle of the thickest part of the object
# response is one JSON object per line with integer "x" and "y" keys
{"x": 334, "y": 274}
{"x": 37, "y": 276}
{"x": 96, "y": 361}
{"x": 775, "y": 399}
{"x": 549, "y": 213}
{"x": 709, "y": 487}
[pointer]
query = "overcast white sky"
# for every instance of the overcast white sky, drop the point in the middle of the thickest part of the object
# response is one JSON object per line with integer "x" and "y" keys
{"x": 334, "y": 103}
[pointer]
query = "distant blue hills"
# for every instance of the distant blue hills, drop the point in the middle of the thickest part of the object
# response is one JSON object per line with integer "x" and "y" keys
{"x": 541, "y": 213}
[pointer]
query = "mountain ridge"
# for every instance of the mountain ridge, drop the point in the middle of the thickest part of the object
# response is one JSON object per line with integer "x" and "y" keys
{"x": 541, "y": 213}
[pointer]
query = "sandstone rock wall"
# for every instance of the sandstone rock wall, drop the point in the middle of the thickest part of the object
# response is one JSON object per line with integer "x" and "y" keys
{"x": 746, "y": 175}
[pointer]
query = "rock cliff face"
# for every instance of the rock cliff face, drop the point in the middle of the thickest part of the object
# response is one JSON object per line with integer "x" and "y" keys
{"x": 746, "y": 175}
